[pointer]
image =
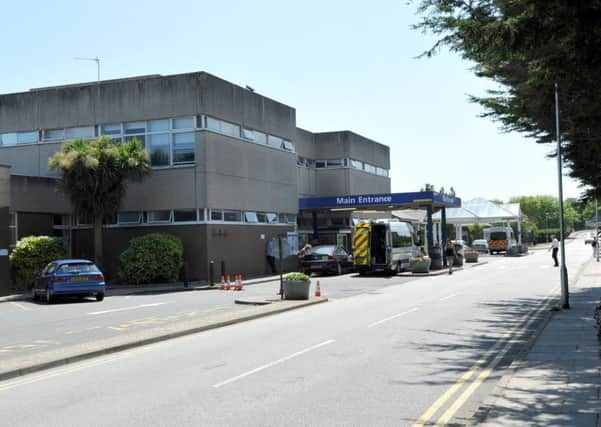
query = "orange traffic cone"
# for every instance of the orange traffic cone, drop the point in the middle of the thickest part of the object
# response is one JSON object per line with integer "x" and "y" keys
{"x": 317, "y": 289}
{"x": 222, "y": 282}
{"x": 228, "y": 284}
{"x": 240, "y": 285}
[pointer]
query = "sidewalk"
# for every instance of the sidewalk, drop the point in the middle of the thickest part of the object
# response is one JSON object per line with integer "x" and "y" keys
{"x": 559, "y": 382}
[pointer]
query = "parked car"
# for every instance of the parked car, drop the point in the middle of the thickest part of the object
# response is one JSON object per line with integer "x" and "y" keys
{"x": 327, "y": 259}
{"x": 460, "y": 247}
{"x": 69, "y": 277}
{"x": 480, "y": 245}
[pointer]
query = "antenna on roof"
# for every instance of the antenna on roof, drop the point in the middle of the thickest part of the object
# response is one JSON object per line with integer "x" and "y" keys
{"x": 250, "y": 88}
{"x": 97, "y": 61}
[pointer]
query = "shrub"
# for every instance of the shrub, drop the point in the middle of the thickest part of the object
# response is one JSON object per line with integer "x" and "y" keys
{"x": 297, "y": 277}
{"x": 153, "y": 258}
{"x": 32, "y": 254}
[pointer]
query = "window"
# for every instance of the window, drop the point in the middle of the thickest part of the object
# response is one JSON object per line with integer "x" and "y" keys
{"x": 291, "y": 218}
{"x": 79, "y": 132}
{"x": 320, "y": 164}
{"x": 183, "y": 123}
{"x": 248, "y": 134}
{"x": 158, "y": 149}
{"x": 338, "y": 163}
{"x": 216, "y": 215}
{"x": 274, "y": 141}
{"x": 232, "y": 216}
{"x": 400, "y": 239}
{"x": 272, "y": 218}
{"x": 356, "y": 164}
{"x": 135, "y": 127}
{"x": 288, "y": 146}
{"x": 183, "y": 147}
{"x": 112, "y": 129}
{"x": 382, "y": 172}
{"x": 27, "y": 138}
{"x": 223, "y": 127}
{"x": 158, "y": 125}
{"x": 54, "y": 134}
{"x": 283, "y": 218}
{"x": 187, "y": 215}
{"x": 260, "y": 138}
{"x": 369, "y": 168}
{"x": 159, "y": 217}
{"x": 8, "y": 139}
{"x": 250, "y": 217}
{"x": 262, "y": 217}
{"x": 129, "y": 217}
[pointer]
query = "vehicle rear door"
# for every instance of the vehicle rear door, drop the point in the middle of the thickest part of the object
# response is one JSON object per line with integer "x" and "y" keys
{"x": 361, "y": 249}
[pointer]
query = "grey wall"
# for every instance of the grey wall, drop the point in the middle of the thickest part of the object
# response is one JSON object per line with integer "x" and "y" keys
{"x": 33, "y": 194}
{"x": 332, "y": 145}
{"x": 5, "y": 192}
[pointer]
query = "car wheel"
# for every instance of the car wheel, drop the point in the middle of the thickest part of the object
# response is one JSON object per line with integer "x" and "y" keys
{"x": 99, "y": 296}
{"x": 49, "y": 297}
{"x": 34, "y": 295}
{"x": 398, "y": 268}
{"x": 338, "y": 269}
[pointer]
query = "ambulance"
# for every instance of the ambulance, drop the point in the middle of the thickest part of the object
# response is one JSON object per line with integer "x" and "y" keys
{"x": 383, "y": 245}
{"x": 499, "y": 239}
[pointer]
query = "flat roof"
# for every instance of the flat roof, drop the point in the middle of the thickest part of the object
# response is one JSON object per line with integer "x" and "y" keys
{"x": 390, "y": 201}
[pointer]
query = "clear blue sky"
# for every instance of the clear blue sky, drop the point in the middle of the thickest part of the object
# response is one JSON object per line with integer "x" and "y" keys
{"x": 341, "y": 64}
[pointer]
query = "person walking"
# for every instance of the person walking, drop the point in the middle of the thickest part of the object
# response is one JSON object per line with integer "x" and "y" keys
{"x": 555, "y": 248}
{"x": 449, "y": 251}
{"x": 305, "y": 250}
{"x": 595, "y": 246}
{"x": 270, "y": 257}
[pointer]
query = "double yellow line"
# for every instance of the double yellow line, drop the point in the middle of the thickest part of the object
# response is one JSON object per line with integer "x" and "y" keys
{"x": 505, "y": 339}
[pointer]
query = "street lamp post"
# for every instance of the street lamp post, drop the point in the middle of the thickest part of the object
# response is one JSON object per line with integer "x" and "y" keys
{"x": 565, "y": 295}
{"x": 97, "y": 61}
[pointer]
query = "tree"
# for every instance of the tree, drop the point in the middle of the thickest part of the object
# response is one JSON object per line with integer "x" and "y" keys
{"x": 525, "y": 47}
{"x": 95, "y": 175}
{"x": 543, "y": 212}
{"x": 428, "y": 187}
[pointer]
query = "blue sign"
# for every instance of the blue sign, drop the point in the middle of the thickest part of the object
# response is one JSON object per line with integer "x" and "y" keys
{"x": 392, "y": 200}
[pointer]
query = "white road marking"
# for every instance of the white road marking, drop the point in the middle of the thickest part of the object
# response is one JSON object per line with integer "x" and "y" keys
{"x": 448, "y": 297}
{"x": 275, "y": 362}
{"x": 135, "y": 307}
{"x": 379, "y": 322}
{"x": 21, "y": 306}
{"x": 501, "y": 267}
{"x": 544, "y": 266}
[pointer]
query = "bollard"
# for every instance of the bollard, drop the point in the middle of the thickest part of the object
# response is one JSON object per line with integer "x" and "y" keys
{"x": 223, "y": 273}
{"x": 211, "y": 273}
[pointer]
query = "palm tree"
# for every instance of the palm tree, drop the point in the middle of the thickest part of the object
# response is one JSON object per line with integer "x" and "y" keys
{"x": 95, "y": 175}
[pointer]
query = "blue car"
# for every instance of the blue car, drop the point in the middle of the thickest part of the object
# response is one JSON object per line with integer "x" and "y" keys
{"x": 69, "y": 277}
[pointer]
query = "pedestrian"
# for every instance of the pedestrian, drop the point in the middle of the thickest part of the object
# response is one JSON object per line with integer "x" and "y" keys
{"x": 595, "y": 245}
{"x": 270, "y": 257}
{"x": 449, "y": 251}
{"x": 555, "y": 248}
{"x": 305, "y": 250}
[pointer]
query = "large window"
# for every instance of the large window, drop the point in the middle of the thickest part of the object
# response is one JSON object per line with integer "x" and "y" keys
{"x": 83, "y": 132}
{"x": 27, "y": 138}
{"x": 158, "y": 149}
{"x": 232, "y": 216}
{"x": 183, "y": 148}
{"x": 185, "y": 215}
{"x": 159, "y": 217}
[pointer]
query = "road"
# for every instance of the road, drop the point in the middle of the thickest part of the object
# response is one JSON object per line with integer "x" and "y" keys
{"x": 386, "y": 357}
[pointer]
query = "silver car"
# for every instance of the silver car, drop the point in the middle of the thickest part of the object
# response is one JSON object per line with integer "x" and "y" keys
{"x": 480, "y": 245}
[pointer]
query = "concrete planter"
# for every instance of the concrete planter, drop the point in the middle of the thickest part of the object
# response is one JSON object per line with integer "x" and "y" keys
{"x": 420, "y": 265}
{"x": 471, "y": 257}
{"x": 458, "y": 261}
{"x": 297, "y": 289}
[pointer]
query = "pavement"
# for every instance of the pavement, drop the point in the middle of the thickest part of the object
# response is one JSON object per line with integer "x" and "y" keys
{"x": 558, "y": 383}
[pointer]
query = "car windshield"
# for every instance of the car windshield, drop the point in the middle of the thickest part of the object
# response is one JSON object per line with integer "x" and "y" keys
{"x": 323, "y": 250}
{"x": 77, "y": 268}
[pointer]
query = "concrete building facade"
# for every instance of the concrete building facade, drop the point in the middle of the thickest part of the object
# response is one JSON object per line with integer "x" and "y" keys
{"x": 228, "y": 166}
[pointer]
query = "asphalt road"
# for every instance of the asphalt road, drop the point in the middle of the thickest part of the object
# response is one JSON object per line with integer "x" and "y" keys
{"x": 380, "y": 357}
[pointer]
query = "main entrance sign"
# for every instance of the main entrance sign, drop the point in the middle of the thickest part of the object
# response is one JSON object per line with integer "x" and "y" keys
{"x": 391, "y": 201}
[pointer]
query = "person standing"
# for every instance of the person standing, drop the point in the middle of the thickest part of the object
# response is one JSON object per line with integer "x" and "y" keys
{"x": 270, "y": 257}
{"x": 555, "y": 248}
{"x": 449, "y": 251}
{"x": 595, "y": 245}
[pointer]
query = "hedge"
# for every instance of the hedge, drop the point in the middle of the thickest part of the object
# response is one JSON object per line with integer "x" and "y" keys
{"x": 32, "y": 254}
{"x": 153, "y": 258}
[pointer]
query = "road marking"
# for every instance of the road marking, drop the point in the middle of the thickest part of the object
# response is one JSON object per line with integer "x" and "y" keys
{"x": 544, "y": 266}
{"x": 501, "y": 267}
{"x": 21, "y": 306}
{"x": 274, "y": 363}
{"x": 379, "y": 322}
{"x": 136, "y": 307}
{"x": 448, "y": 297}
{"x": 521, "y": 324}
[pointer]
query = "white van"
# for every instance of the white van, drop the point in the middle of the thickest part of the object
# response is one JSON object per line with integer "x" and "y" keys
{"x": 499, "y": 239}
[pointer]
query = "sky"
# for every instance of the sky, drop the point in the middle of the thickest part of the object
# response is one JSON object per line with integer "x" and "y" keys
{"x": 344, "y": 65}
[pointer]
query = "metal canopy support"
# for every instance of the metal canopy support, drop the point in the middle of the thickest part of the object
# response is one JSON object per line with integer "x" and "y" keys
{"x": 430, "y": 232}
{"x": 314, "y": 217}
{"x": 443, "y": 226}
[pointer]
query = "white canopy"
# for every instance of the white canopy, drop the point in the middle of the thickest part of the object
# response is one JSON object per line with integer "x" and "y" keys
{"x": 478, "y": 211}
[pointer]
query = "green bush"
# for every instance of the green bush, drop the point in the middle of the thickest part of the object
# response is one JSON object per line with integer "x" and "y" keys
{"x": 297, "y": 277}
{"x": 31, "y": 255}
{"x": 153, "y": 258}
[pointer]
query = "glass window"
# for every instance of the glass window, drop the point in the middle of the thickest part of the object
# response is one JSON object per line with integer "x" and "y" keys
{"x": 250, "y": 217}
{"x": 79, "y": 132}
{"x": 289, "y": 146}
{"x": 382, "y": 172}
{"x": 272, "y": 218}
{"x": 129, "y": 217}
{"x": 283, "y": 218}
{"x": 141, "y": 138}
{"x": 159, "y": 217}
{"x": 158, "y": 149}
{"x": 248, "y": 134}
{"x": 335, "y": 163}
{"x": 320, "y": 164}
{"x": 8, "y": 139}
{"x": 183, "y": 147}
{"x": 232, "y": 216}
{"x": 213, "y": 124}
{"x": 112, "y": 129}
{"x": 158, "y": 125}
{"x": 356, "y": 164}
{"x": 260, "y": 138}
{"x": 230, "y": 129}
{"x": 261, "y": 217}
{"x": 188, "y": 215}
{"x": 369, "y": 168}
{"x": 291, "y": 219}
{"x": 54, "y": 134}
{"x": 27, "y": 137}
{"x": 135, "y": 127}
{"x": 216, "y": 215}
{"x": 274, "y": 141}
{"x": 183, "y": 123}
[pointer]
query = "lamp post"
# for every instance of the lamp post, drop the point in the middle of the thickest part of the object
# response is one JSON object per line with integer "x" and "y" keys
{"x": 97, "y": 61}
{"x": 565, "y": 294}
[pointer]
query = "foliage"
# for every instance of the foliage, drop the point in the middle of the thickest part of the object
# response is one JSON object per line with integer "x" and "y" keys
{"x": 476, "y": 231}
{"x": 32, "y": 254}
{"x": 525, "y": 47}
{"x": 153, "y": 258}
{"x": 94, "y": 176}
{"x": 543, "y": 212}
{"x": 431, "y": 187}
{"x": 301, "y": 277}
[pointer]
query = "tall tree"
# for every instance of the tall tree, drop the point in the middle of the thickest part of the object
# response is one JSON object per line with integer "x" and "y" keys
{"x": 95, "y": 175}
{"x": 526, "y": 46}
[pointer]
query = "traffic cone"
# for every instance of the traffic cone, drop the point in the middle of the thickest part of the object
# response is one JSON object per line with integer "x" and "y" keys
{"x": 222, "y": 282}
{"x": 240, "y": 285}
{"x": 228, "y": 284}
{"x": 317, "y": 289}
